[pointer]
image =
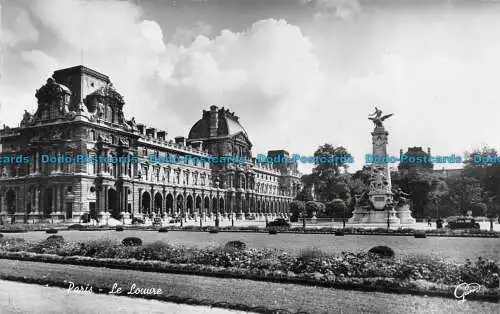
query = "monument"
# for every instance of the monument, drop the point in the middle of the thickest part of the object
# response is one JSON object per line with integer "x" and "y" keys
{"x": 381, "y": 206}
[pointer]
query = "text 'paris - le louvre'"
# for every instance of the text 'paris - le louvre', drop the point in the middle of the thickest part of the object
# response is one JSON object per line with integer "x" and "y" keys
{"x": 80, "y": 113}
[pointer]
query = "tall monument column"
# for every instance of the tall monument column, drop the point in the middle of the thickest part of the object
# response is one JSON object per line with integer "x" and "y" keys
{"x": 380, "y": 141}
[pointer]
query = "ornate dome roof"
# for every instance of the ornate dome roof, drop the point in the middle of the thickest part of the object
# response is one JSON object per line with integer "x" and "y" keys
{"x": 51, "y": 90}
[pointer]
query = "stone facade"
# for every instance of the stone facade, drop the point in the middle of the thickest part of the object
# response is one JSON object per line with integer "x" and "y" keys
{"x": 81, "y": 114}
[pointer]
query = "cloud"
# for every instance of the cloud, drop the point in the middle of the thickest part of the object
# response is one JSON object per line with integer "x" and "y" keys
{"x": 272, "y": 59}
{"x": 184, "y": 36}
{"x": 16, "y": 27}
{"x": 327, "y": 9}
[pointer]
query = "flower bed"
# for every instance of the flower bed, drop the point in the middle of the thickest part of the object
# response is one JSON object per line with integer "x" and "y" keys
{"x": 309, "y": 263}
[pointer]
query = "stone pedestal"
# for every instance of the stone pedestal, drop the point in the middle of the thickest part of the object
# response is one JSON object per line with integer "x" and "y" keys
{"x": 104, "y": 217}
{"x": 404, "y": 215}
{"x": 364, "y": 218}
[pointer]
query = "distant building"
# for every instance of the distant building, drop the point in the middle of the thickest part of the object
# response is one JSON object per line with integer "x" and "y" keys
{"x": 415, "y": 158}
{"x": 80, "y": 113}
{"x": 449, "y": 173}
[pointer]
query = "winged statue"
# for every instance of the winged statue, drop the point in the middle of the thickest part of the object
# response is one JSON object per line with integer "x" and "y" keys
{"x": 377, "y": 117}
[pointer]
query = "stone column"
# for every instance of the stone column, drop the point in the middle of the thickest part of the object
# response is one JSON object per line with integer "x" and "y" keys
{"x": 54, "y": 199}
{"x": 152, "y": 200}
{"x": 106, "y": 201}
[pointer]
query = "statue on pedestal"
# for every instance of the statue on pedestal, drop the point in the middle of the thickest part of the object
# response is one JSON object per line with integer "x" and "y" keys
{"x": 401, "y": 197}
{"x": 379, "y": 205}
{"x": 377, "y": 117}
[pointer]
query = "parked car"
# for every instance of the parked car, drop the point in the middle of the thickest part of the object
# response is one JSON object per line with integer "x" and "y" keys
{"x": 463, "y": 223}
{"x": 175, "y": 220}
{"x": 280, "y": 222}
{"x": 137, "y": 220}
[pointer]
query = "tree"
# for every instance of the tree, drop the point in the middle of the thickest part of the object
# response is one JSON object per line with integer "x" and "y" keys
{"x": 335, "y": 209}
{"x": 329, "y": 180}
{"x": 482, "y": 165}
{"x": 296, "y": 209}
{"x": 314, "y": 207}
{"x": 422, "y": 186}
{"x": 465, "y": 192}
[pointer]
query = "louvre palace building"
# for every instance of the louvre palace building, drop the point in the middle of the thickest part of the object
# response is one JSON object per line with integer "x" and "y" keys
{"x": 80, "y": 118}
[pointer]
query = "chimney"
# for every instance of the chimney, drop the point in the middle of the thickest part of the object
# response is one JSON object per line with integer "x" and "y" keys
{"x": 141, "y": 127}
{"x": 196, "y": 144}
{"x": 213, "y": 121}
{"x": 151, "y": 132}
{"x": 180, "y": 140}
{"x": 161, "y": 135}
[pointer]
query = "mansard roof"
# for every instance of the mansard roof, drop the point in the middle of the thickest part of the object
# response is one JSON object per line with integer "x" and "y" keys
{"x": 217, "y": 123}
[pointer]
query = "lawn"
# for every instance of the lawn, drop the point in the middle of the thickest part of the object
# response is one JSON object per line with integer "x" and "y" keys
{"x": 250, "y": 293}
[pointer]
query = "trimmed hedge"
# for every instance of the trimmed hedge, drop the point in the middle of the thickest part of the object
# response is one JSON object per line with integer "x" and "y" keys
{"x": 235, "y": 245}
{"x": 382, "y": 251}
{"x": 132, "y": 241}
{"x": 76, "y": 227}
{"x": 420, "y": 235}
{"x": 55, "y": 238}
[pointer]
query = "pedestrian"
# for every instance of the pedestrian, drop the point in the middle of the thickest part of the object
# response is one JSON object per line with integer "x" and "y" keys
{"x": 429, "y": 222}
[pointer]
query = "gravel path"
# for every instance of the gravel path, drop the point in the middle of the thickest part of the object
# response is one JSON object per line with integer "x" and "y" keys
{"x": 45, "y": 300}
{"x": 251, "y": 293}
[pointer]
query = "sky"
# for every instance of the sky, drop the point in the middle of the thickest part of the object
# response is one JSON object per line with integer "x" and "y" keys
{"x": 299, "y": 73}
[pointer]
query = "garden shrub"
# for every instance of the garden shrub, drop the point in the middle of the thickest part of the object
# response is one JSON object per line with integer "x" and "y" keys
{"x": 51, "y": 231}
{"x": 119, "y": 228}
{"x": 483, "y": 272}
{"x": 94, "y": 247}
{"x": 55, "y": 238}
{"x": 75, "y": 227}
{"x": 71, "y": 249}
{"x": 13, "y": 244}
{"x": 420, "y": 235}
{"x": 235, "y": 245}
{"x": 132, "y": 241}
{"x": 383, "y": 251}
{"x": 158, "y": 250}
{"x": 50, "y": 245}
